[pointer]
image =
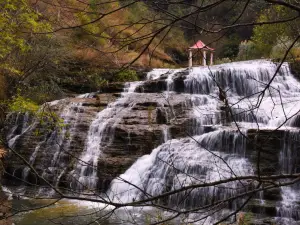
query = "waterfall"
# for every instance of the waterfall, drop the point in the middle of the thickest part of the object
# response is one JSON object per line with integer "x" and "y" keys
{"x": 166, "y": 134}
{"x": 241, "y": 78}
{"x": 242, "y": 82}
{"x": 170, "y": 81}
{"x": 191, "y": 128}
{"x": 221, "y": 154}
{"x": 182, "y": 162}
{"x": 56, "y": 141}
{"x": 289, "y": 210}
{"x": 22, "y": 125}
{"x": 60, "y": 140}
{"x": 84, "y": 176}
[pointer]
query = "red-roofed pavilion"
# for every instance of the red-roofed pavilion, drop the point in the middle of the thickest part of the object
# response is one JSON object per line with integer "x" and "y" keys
{"x": 203, "y": 48}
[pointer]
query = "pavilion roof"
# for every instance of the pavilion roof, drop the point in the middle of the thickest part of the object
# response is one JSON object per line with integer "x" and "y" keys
{"x": 201, "y": 45}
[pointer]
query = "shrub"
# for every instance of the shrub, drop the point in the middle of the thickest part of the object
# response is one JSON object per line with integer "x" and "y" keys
{"x": 96, "y": 81}
{"x": 247, "y": 51}
{"x": 125, "y": 76}
{"x": 230, "y": 51}
{"x": 280, "y": 48}
{"x": 296, "y": 53}
{"x": 23, "y": 105}
{"x": 223, "y": 60}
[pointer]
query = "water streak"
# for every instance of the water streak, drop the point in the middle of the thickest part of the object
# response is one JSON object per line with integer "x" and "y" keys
{"x": 84, "y": 176}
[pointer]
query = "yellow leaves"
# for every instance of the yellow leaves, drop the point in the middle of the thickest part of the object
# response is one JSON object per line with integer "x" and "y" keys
{"x": 9, "y": 68}
{"x": 20, "y": 104}
{"x": 16, "y": 19}
{"x": 86, "y": 19}
{"x": 266, "y": 36}
{"x": 10, "y": 6}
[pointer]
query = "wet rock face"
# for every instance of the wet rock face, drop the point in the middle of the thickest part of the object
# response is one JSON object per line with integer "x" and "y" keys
{"x": 160, "y": 85}
{"x": 153, "y": 86}
{"x": 272, "y": 149}
{"x": 112, "y": 88}
{"x": 265, "y": 146}
{"x": 138, "y": 129}
{"x": 50, "y": 151}
{"x": 138, "y": 132}
{"x": 179, "y": 78}
{"x": 295, "y": 68}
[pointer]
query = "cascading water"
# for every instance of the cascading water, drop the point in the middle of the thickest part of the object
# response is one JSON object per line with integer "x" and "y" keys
{"x": 22, "y": 124}
{"x": 56, "y": 141}
{"x": 223, "y": 102}
{"x": 219, "y": 154}
{"x": 60, "y": 141}
{"x": 289, "y": 210}
{"x": 84, "y": 176}
{"x": 184, "y": 162}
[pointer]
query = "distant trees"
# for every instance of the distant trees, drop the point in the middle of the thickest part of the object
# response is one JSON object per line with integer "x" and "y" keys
{"x": 271, "y": 40}
{"x": 18, "y": 21}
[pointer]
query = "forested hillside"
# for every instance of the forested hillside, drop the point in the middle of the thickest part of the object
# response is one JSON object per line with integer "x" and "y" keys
{"x": 52, "y": 47}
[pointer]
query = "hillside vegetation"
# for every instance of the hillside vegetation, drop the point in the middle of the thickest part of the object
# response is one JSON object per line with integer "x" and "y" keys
{"x": 50, "y": 47}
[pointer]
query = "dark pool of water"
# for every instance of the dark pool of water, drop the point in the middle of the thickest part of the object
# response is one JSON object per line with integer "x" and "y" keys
{"x": 77, "y": 213}
{"x": 63, "y": 212}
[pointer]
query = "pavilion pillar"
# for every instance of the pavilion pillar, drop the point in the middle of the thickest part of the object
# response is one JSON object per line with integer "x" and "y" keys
{"x": 190, "y": 58}
{"x": 211, "y": 58}
{"x": 204, "y": 58}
